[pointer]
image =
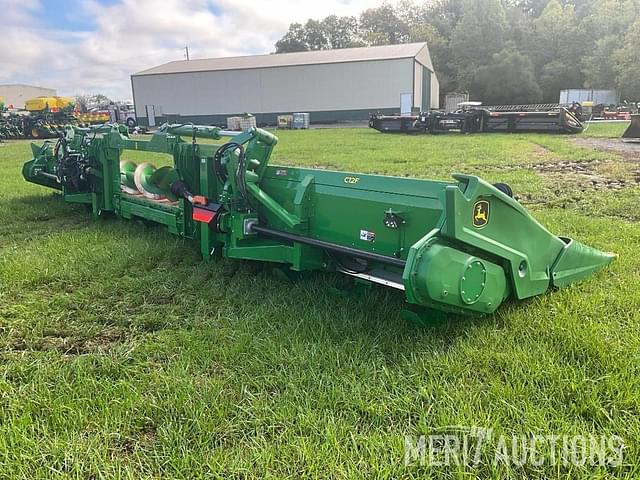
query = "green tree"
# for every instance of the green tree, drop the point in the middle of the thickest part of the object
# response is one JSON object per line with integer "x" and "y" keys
{"x": 446, "y": 14}
{"x": 299, "y": 38}
{"x": 606, "y": 21}
{"x": 554, "y": 33}
{"x": 519, "y": 28}
{"x": 477, "y": 37}
{"x": 332, "y": 32}
{"x": 293, "y": 41}
{"x": 412, "y": 14}
{"x": 531, "y": 7}
{"x": 556, "y": 49}
{"x": 381, "y": 26}
{"x": 508, "y": 79}
{"x": 341, "y": 32}
{"x": 609, "y": 17}
{"x": 558, "y": 75}
{"x": 627, "y": 64}
{"x": 598, "y": 67}
{"x": 315, "y": 36}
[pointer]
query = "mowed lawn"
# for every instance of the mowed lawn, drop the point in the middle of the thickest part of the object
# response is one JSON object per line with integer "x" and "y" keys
{"x": 123, "y": 355}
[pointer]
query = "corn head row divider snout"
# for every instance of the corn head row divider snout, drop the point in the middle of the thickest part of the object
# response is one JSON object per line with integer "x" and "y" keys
{"x": 460, "y": 246}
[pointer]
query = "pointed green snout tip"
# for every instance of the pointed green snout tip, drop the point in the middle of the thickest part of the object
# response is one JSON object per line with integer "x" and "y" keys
{"x": 576, "y": 262}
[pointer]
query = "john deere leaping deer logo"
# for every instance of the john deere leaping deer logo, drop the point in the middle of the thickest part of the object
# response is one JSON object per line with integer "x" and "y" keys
{"x": 480, "y": 213}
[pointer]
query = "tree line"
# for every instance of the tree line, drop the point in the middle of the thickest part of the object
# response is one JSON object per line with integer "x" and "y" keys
{"x": 500, "y": 51}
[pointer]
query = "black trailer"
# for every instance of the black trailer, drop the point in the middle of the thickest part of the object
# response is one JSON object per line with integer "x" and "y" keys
{"x": 479, "y": 120}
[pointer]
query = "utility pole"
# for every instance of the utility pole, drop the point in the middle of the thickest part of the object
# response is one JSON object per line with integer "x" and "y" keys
{"x": 186, "y": 49}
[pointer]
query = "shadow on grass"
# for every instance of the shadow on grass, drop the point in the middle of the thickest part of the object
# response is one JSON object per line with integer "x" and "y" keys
{"x": 262, "y": 304}
{"x": 43, "y": 203}
{"x": 326, "y": 318}
{"x": 33, "y": 215}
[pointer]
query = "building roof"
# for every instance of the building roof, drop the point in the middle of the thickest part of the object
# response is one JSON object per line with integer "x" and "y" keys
{"x": 386, "y": 52}
{"x": 24, "y": 85}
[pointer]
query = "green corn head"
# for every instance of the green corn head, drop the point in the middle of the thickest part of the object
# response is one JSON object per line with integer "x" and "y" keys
{"x": 459, "y": 246}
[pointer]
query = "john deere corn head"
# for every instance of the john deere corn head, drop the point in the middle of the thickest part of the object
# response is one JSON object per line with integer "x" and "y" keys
{"x": 461, "y": 246}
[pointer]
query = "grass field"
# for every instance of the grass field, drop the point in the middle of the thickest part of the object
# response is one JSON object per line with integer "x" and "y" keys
{"x": 123, "y": 355}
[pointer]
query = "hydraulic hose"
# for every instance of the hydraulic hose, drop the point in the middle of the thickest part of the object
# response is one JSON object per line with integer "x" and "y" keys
{"x": 376, "y": 257}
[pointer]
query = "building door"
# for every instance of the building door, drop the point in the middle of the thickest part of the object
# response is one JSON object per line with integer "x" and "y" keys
{"x": 406, "y": 103}
{"x": 426, "y": 89}
{"x": 151, "y": 115}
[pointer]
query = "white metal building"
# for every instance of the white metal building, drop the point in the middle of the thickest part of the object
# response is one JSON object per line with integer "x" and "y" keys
{"x": 16, "y": 94}
{"x": 605, "y": 97}
{"x": 333, "y": 85}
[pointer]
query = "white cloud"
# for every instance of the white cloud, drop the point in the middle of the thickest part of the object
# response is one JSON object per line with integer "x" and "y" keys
{"x": 134, "y": 35}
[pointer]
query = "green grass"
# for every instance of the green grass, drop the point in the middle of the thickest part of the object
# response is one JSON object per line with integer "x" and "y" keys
{"x": 122, "y": 355}
{"x": 606, "y": 129}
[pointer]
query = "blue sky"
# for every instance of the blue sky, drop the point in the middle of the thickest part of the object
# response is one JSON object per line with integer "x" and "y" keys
{"x": 93, "y": 46}
{"x": 68, "y": 15}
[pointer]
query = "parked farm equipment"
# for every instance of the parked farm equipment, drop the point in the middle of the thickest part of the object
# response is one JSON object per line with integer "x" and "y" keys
{"x": 45, "y": 117}
{"x": 474, "y": 119}
{"x": 41, "y": 125}
{"x": 632, "y": 133}
{"x": 42, "y": 117}
{"x": 463, "y": 246}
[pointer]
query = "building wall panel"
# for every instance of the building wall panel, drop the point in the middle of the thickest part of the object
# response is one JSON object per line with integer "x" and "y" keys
{"x": 417, "y": 85}
{"x": 16, "y": 95}
{"x": 435, "y": 92}
{"x": 328, "y": 87}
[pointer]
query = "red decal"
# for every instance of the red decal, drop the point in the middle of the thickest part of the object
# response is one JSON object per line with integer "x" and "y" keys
{"x": 202, "y": 215}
